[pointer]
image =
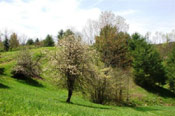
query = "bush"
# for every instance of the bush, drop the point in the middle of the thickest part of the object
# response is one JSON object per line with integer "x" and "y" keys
{"x": 26, "y": 66}
{"x": 107, "y": 85}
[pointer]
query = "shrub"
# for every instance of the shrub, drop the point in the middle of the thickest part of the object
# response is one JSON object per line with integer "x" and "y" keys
{"x": 108, "y": 85}
{"x": 27, "y": 66}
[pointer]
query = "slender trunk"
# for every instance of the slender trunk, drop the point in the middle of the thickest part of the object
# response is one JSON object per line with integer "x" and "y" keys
{"x": 70, "y": 91}
{"x": 70, "y": 85}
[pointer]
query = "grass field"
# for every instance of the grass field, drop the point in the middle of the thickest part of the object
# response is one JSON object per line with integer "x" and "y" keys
{"x": 43, "y": 98}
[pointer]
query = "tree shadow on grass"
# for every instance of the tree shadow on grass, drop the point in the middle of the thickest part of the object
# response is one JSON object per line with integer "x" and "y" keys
{"x": 163, "y": 92}
{"x": 87, "y": 106}
{"x": 28, "y": 80}
{"x": 3, "y": 86}
{"x": 145, "y": 109}
{"x": 2, "y": 71}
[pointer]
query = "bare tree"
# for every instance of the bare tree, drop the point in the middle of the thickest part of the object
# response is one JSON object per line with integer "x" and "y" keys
{"x": 93, "y": 27}
{"x": 23, "y": 39}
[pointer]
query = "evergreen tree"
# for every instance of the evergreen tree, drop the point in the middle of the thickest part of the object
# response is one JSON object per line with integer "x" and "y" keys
{"x": 170, "y": 68}
{"x": 6, "y": 44}
{"x": 37, "y": 42}
{"x": 60, "y": 34}
{"x": 147, "y": 63}
{"x": 1, "y": 45}
{"x": 30, "y": 42}
{"x": 48, "y": 41}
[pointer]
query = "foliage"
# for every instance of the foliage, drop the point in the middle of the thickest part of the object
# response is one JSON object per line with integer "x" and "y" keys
{"x": 108, "y": 85}
{"x": 170, "y": 66}
{"x": 14, "y": 42}
{"x": 30, "y": 42}
{"x": 71, "y": 60}
{"x": 147, "y": 64}
{"x": 48, "y": 41}
{"x": 113, "y": 47}
{"x": 26, "y": 65}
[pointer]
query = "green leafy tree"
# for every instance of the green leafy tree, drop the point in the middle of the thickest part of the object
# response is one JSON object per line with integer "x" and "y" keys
{"x": 147, "y": 63}
{"x": 48, "y": 41}
{"x": 113, "y": 47}
{"x": 30, "y": 42}
{"x": 170, "y": 66}
{"x": 14, "y": 42}
{"x": 6, "y": 44}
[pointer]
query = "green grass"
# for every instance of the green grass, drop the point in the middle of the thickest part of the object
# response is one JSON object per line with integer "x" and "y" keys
{"x": 21, "y": 99}
{"x": 43, "y": 98}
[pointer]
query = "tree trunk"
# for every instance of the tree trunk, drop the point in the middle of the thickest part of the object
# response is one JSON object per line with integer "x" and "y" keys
{"x": 69, "y": 95}
{"x": 70, "y": 85}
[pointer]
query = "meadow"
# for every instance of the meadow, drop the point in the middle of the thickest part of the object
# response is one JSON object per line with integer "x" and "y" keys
{"x": 35, "y": 97}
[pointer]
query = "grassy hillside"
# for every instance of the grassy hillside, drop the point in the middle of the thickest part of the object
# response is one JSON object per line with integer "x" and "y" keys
{"x": 44, "y": 98}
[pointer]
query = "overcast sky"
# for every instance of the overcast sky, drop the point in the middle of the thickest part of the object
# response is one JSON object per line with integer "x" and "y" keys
{"x": 37, "y": 18}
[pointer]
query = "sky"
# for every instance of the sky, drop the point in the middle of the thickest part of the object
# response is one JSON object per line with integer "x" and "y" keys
{"x": 37, "y": 18}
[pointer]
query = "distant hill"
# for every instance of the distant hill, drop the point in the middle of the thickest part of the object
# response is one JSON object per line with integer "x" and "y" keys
{"x": 165, "y": 48}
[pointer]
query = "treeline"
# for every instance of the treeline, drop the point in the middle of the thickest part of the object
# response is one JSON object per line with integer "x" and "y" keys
{"x": 14, "y": 42}
{"x": 103, "y": 69}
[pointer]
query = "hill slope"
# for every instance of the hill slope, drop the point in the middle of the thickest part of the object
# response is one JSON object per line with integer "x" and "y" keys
{"x": 43, "y": 98}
